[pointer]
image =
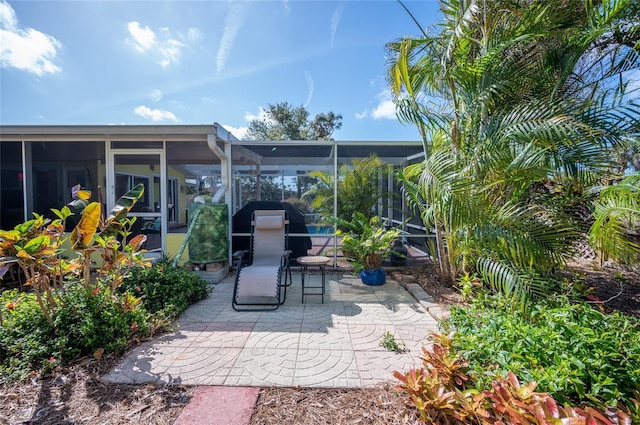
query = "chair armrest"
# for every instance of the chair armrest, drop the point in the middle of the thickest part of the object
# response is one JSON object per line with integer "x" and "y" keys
{"x": 285, "y": 259}
{"x": 239, "y": 254}
{"x": 239, "y": 257}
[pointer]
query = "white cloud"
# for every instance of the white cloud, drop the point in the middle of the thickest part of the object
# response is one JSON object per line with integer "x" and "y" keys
{"x": 8, "y": 18}
{"x": 156, "y": 95}
{"x": 262, "y": 115}
{"x": 170, "y": 52}
{"x": 310, "y": 87}
{"x": 161, "y": 45}
{"x": 238, "y": 132}
{"x": 335, "y": 20}
{"x": 232, "y": 24}
{"x": 193, "y": 35}
{"x": 143, "y": 38}
{"x": 25, "y": 49}
{"x": 155, "y": 114}
{"x": 386, "y": 109}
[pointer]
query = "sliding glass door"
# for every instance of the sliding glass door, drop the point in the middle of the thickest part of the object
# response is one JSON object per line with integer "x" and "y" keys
{"x": 147, "y": 167}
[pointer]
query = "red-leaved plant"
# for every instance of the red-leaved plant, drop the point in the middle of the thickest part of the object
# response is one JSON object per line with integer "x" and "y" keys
{"x": 443, "y": 393}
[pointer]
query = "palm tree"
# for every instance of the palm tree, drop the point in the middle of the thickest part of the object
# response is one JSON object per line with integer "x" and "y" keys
{"x": 510, "y": 98}
{"x": 358, "y": 189}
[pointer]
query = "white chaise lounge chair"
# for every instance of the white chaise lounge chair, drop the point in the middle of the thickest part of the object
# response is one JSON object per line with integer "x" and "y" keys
{"x": 259, "y": 286}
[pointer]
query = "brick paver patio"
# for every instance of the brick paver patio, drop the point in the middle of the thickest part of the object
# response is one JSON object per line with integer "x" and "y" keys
{"x": 335, "y": 344}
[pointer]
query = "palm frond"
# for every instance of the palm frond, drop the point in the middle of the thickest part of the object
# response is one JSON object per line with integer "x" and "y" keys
{"x": 615, "y": 213}
{"x": 516, "y": 284}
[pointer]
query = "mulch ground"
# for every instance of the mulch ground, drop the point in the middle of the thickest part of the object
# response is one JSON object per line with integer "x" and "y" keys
{"x": 309, "y": 406}
{"x": 75, "y": 394}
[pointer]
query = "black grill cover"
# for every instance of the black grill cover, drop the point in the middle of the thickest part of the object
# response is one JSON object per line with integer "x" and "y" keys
{"x": 242, "y": 224}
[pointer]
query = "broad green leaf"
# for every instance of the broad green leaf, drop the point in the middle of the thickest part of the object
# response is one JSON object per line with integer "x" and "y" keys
{"x": 36, "y": 244}
{"x": 25, "y": 227}
{"x": 57, "y": 212}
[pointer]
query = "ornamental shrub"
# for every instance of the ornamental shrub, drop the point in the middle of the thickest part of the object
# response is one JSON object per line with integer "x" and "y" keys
{"x": 574, "y": 352}
{"x": 92, "y": 319}
{"x": 164, "y": 288}
{"x": 25, "y": 336}
{"x": 443, "y": 393}
{"x": 87, "y": 321}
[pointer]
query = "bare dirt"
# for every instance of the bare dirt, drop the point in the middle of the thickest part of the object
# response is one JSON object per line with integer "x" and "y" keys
{"x": 75, "y": 394}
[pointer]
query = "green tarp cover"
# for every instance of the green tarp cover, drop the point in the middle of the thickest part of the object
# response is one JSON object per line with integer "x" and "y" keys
{"x": 209, "y": 241}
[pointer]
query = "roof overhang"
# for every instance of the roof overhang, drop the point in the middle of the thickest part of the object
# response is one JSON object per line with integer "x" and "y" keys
{"x": 70, "y": 133}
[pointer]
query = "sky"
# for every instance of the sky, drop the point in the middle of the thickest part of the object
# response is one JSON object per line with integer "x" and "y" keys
{"x": 200, "y": 62}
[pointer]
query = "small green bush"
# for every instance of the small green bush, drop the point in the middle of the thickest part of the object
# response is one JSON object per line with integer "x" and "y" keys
{"x": 91, "y": 319}
{"x": 573, "y": 351}
{"x": 25, "y": 336}
{"x": 165, "y": 288}
{"x": 86, "y": 320}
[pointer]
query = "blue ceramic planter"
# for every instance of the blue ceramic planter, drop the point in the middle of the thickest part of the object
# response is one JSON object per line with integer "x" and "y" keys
{"x": 373, "y": 277}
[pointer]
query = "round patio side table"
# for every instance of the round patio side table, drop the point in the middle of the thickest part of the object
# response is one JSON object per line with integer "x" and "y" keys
{"x": 320, "y": 262}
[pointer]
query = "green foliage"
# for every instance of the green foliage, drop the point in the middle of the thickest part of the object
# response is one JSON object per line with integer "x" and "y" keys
{"x": 616, "y": 210}
{"x": 209, "y": 240}
{"x": 388, "y": 341}
{"x": 519, "y": 108}
{"x": 92, "y": 319}
{"x": 71, "y": 312}
{"x": 444, "y": 393}
{"x": 87, "y": 322}
{"x": 270, "y": 188}
{"x": 368, "y": 243}
{"x": 573, "y": 351}
{"x": 469, "y": 286}
{"x": 25, "y": 336}
{"x": 35, "y": 246}
{"x": 283, "y": 121}
{"x": 358, "y": 189}
{"x": 165, "y": 288}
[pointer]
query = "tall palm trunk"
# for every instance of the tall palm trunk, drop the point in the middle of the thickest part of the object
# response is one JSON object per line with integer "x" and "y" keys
{"x": 443, "y": 256}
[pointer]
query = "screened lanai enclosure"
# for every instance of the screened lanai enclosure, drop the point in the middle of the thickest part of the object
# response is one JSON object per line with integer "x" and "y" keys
{"x": 180, "y": 165}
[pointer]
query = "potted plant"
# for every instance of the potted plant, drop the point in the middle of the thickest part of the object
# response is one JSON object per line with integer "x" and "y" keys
{"x": 366, "y": 245}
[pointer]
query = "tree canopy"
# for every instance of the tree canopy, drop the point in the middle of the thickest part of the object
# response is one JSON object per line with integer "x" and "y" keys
{"x": 283, "y": 121}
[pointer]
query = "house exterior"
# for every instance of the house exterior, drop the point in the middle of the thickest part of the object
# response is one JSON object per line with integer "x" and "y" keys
{"x": 177, "y": 164}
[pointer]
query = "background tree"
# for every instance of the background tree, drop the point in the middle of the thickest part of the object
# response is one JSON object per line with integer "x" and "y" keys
{"x": 283, "y": 121}
{"x": 511, "y": 97}
{"x": 270, "y": 189}
{"x": 358, "y": 189}
{"x": 323, "y": 126}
